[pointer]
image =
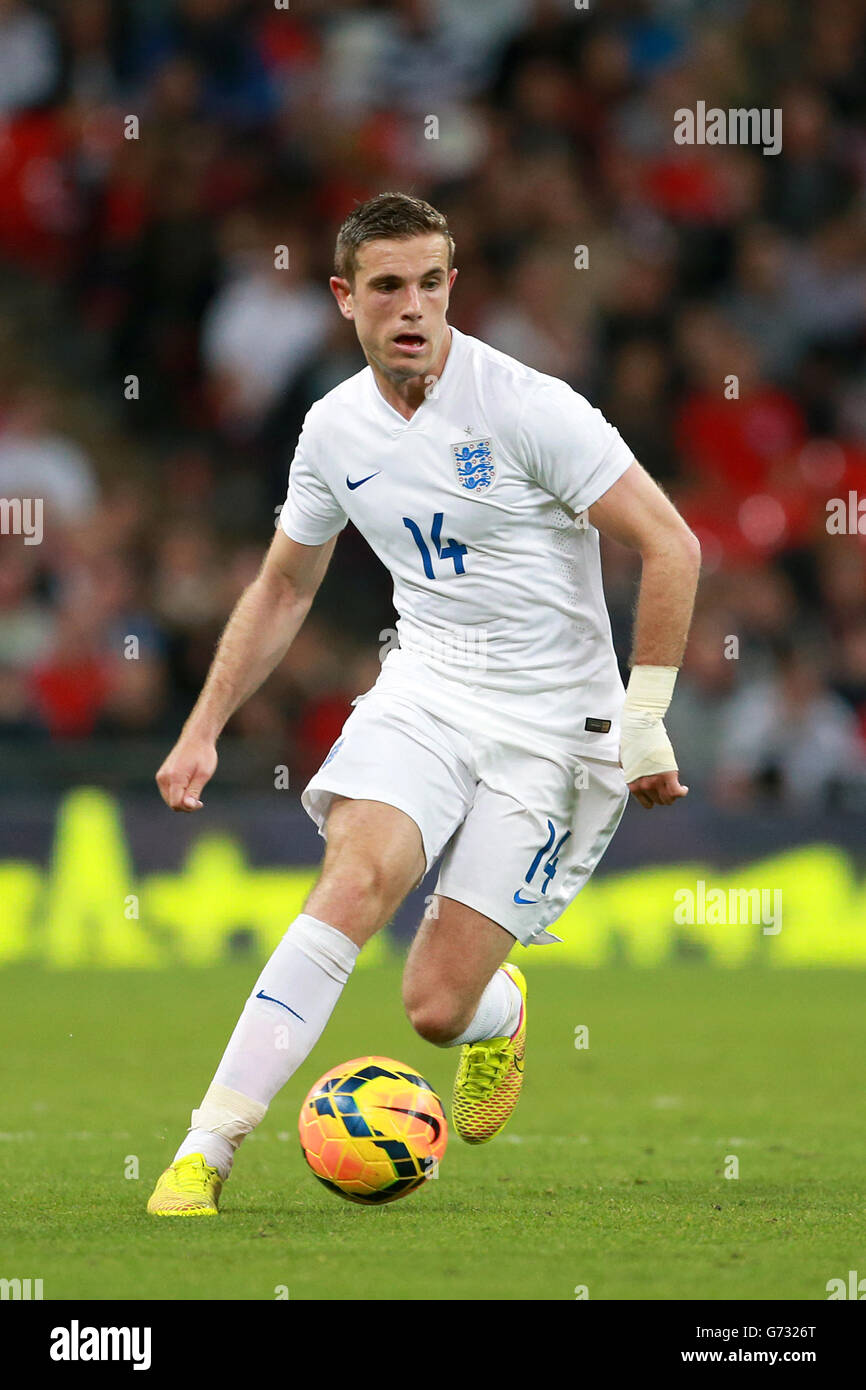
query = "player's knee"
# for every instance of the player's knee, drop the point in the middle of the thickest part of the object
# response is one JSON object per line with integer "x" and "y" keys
{"x": 438, "y": 1021}
{"x": 358, "y": 885}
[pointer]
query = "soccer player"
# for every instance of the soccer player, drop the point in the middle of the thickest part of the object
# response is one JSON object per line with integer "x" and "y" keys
{"x": 498, "y": 733}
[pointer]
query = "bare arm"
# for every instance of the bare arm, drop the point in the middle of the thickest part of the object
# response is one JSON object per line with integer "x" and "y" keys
{"x": 637, "y": 513}
{"x": 265, "y": 621}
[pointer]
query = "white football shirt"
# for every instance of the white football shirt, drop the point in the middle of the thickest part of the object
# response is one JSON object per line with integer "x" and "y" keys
{"x": 472, "y": 506}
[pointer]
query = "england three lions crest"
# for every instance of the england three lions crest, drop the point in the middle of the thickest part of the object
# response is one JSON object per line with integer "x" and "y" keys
{"x": 475, "y": 464}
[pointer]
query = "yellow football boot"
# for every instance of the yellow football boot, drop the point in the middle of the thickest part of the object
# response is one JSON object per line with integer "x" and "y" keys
{"x": 189, "y": 1187}
{"x": 489, "y": 1078}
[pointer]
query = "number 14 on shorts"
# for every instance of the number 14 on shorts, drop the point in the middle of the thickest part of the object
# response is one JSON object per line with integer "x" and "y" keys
{"x": 549, "y": 864}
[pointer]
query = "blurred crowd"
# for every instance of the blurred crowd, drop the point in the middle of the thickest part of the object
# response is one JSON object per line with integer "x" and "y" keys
{"x": 155, "y": 364}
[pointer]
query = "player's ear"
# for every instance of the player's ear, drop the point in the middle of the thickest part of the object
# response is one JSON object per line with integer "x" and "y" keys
{"x": 342, "y": 292}
{"x": 452, "y": 276}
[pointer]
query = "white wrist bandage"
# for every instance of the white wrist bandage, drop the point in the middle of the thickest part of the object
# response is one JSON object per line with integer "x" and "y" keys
{"x": 645, "y": 748}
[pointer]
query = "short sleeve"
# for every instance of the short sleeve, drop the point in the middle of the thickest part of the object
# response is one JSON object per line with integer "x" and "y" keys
{"x": 570, "y": 448}
{"x": 311, "y": 513}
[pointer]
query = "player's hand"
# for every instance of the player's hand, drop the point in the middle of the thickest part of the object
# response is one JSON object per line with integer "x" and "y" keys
{"x": 648, "y": 761}
{"x": 189, "y": 766}
{"x": 661, "y": 789}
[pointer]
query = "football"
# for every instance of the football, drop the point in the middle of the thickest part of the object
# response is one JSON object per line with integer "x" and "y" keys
{"x": 373, "y": 1130}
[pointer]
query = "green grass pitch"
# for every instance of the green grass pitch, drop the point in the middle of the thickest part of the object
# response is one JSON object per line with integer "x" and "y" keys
{"x": 611, "y": 1174}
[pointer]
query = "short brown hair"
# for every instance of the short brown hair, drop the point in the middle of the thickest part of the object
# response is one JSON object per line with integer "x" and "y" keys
{"x": 392, "y": 216}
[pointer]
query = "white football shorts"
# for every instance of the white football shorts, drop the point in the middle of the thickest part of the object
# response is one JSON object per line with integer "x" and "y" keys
{"x": 519, "y": 834}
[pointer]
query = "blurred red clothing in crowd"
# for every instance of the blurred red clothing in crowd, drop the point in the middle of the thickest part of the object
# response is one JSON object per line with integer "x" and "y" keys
{"x": 37, "y": 193}
{"x": 69, "y": 694}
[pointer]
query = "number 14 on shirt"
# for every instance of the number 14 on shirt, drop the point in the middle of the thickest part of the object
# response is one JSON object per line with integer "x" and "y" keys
{"x": 452, "y": 551}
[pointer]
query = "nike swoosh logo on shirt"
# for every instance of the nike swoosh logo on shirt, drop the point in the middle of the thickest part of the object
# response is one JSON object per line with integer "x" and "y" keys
{"x": 261, "y": 995}
{"x": 525, "y": 902}
{"x": 351, "y": 486}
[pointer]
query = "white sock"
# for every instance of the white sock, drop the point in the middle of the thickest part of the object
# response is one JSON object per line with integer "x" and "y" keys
{"x": 219, "y": 1125}
{"x": 302, "y": 981}
{"x": 498, "y": 1012}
